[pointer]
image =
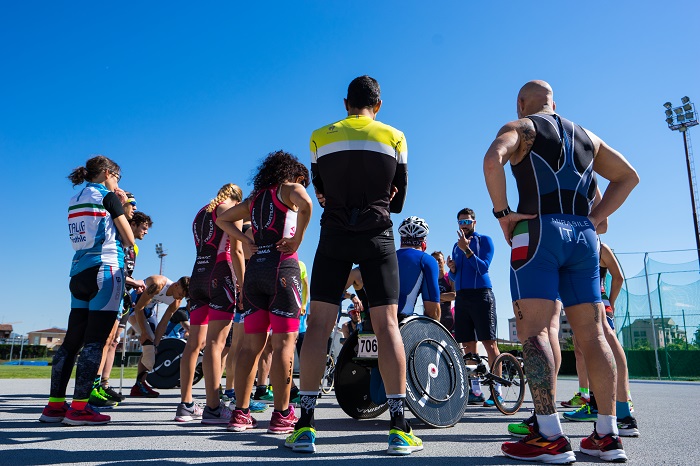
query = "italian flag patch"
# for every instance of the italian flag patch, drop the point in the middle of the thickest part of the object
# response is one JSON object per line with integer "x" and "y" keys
{"x": 521, "y": 240}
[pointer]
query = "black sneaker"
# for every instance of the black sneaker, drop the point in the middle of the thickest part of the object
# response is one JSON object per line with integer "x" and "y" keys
{"x": 110, "y": 394}
{"x": 628, "y": 427}
{"x": 99, "y": 401}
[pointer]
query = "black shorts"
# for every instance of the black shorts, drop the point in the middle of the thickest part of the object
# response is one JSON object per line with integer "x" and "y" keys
{"x": 475, "y": 315}
{"x": 276, "y": 289}
{"x": 215, "y": 288}
{"x": 373, "y": 251}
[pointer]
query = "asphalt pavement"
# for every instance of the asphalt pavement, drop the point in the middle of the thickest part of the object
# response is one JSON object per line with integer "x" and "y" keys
{"x": 143, "y": 431}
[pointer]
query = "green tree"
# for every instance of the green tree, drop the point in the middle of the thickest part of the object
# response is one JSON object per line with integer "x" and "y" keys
{"x": 642, "y": 345}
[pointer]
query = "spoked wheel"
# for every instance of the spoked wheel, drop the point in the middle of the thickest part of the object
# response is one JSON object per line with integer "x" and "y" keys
{"x": 328, "y": 376}
{"x": 512, "y": 382}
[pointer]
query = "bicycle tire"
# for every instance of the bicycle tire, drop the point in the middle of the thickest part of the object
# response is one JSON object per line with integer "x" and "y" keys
{"x": 328, "y": 381}
{"x": 513, "y": 392}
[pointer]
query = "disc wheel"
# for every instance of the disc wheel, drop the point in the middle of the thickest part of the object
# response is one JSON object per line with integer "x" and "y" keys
{"x": 512, "y": 385}
{"x": 198, "y": 374}
{"x": 328, "y": 381}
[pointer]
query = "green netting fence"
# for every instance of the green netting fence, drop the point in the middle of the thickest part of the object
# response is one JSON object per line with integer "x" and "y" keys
{"x": 657, "y": 314}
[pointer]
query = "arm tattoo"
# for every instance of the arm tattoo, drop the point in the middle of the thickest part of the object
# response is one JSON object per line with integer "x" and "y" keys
{"x": 527, "y": 133}
{"x": 152, "y": 289}
{"x": 539, "y": 368}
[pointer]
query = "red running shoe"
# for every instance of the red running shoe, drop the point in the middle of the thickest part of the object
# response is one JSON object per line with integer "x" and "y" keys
{"x": 142, "y": 389}
{"x": 607, "y": 447}
{"x": 85, "y": 417}
{"x": 535, "y": 447}
{"x": 241, "y": 421}
{"x": 50, "y": 414}
{"x": 282, "y": 425}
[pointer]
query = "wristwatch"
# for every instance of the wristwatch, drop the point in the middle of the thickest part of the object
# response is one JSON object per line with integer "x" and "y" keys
{"x": 501, "y": 213}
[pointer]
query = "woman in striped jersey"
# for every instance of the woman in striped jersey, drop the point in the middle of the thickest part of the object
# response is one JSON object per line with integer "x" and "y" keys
{"x": 98, "y": 231}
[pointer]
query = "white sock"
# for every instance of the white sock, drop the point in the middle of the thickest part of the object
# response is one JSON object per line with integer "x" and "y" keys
{"x": 476, "y": 387}
{"x": 498, "y": 388}
{"x": 549, "y": 425}
{"x": 606, "y": 424}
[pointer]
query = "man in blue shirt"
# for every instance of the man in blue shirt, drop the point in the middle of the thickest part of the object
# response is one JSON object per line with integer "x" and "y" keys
{"x": 475, "y": 304}
{"x": 418, "y": 270}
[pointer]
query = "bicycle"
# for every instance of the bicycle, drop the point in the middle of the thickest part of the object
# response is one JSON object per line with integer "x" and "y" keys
{"x": 328, "y": 379}
{"x": 512, "y": 379}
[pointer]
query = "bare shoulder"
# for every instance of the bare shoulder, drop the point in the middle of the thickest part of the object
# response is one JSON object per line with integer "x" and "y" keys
{"x": 155, "y": 283}
{"x": 594, "y": 139}
{"x": 525, "y": 130}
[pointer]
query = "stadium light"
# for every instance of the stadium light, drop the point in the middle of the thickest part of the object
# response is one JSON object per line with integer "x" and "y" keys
{"x": 161, "y": 254}
{"x": 684, "y": 118}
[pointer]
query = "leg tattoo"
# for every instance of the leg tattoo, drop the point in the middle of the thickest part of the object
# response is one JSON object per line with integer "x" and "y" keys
{"x": 539, "y": 367}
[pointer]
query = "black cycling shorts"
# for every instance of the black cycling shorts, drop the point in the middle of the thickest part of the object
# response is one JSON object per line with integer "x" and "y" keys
{"x": 373, "y": 251}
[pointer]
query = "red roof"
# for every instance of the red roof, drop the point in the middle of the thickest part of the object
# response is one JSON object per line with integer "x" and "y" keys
{"x": 5, "y": 327}
{"x": 50, "y": 330}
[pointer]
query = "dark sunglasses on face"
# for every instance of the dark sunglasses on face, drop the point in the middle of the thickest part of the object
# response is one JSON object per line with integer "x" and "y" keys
{"x": 466, "y": 221}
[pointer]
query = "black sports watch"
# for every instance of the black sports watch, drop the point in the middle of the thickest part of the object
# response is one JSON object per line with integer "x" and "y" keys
{"x": 501, "y": 213}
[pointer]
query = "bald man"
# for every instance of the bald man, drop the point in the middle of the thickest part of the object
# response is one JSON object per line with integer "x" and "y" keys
{"x": 555, "y": 253}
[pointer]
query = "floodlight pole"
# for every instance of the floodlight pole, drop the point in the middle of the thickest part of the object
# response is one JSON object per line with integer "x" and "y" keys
{"x": 680, "y": 119}
{"x": 684, "y": 130}
{"x": 161, "y": 254}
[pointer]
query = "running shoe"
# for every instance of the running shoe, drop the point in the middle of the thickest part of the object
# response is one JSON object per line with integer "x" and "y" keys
{"x": 576, "y": 402}
{"x": 98, "y": 401}
{"x": 302, "y": 440}
{"x": 185, "y": 414}
{"x": 50, "y": 414}
{"x": 282, "y": 425}
{"x": 264, "y": 395}
{"x": 403, "y": 443}
{"x": 257, "y": 406}
{"x": 142, "y": 389}
{"x": 584, "y": 414}
{"x": 111, "y": 394}
{"x": 220, "y": 415}
{"x": 241, "y": 421}
{"x": 254, "y": 406}
{"x": 607, "y": 447}
{"x": 522, "y": 429}
{"x": 475, "y": 399}
{"x": 491, "y": 403}
{"x": 536, "y": 447}
{"x": 628, "y": 427}
{"x": 85, "y": 417}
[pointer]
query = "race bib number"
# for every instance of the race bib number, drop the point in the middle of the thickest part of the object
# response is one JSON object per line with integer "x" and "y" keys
{"x": 367, "y": 347}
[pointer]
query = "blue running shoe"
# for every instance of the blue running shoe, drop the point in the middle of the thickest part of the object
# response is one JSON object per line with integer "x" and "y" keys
{"x": 402, "y": 443}
{"x": 257, "y": 406}
{"x": 490, "y": 402}
{"x": 475, "y": 399}
{"x": 584, "y": 414}
{"x": 302, "y": 440}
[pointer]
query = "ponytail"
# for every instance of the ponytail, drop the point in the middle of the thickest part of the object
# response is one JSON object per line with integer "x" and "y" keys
{"x": 92, "y": 169}
{"x": 227, "y": 191}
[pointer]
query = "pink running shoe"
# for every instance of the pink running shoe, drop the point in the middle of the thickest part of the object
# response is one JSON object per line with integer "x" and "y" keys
{"x": 50, "y": 414}
{"x": 241, "y": 421}
{"x": 282, "y": 425}
{"x": 85, "y": 417}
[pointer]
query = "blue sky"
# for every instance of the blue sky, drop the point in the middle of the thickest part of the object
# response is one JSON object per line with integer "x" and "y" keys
{"x": 186, "y": 98}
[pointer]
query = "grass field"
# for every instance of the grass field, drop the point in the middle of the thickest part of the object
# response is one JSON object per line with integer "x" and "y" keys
{"x": 44, "y": 372}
